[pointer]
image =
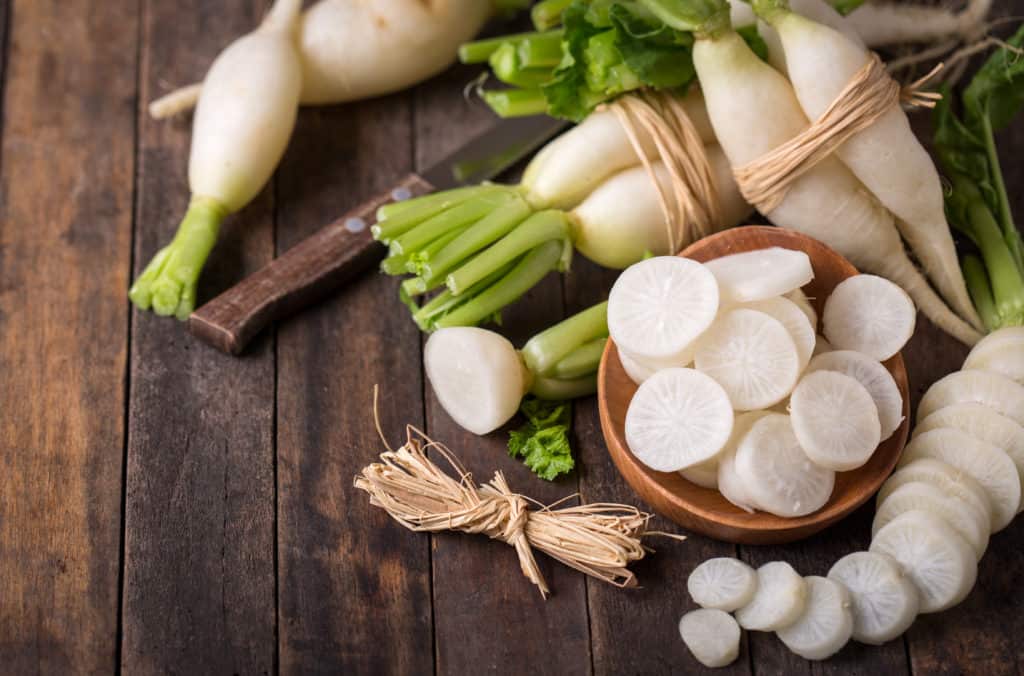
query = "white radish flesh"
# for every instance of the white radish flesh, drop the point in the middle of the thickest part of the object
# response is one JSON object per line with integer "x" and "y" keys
{"x": 795, "y": 321}
{"x": 713, "y": 636}
{"x": 1000, "y": 352}
{"x": 869, "y": 314}
{"x": 678, "y": 418}
{"x": 939, "y": 561}
{"x": 826, "y": 623}
{"x": 804, "y": 303}
{"x": 636, "y": 371}
{"x": 757, "y": 275}
{"x": 883, "y": 599}
{"x": 821, "y": 346}
{"x": 723, "y": 583}
{"x": 989, "y": 465}
{"x": 835, "y": 420}
{"x": 999, "y": 393}
{"x": 779, "y": 601}
{"x": 704, "y": 475}
{"x": 972, "y": 524}
{"x": 951, "y": 481}
{"x": 659, "y": 306}
{"x": 730, "y": 484}
{"x": 478, "y": 376}
{"x": 779, "y": 476}
{"x": 752, "y": 356}
{"x": 875, "y": 378}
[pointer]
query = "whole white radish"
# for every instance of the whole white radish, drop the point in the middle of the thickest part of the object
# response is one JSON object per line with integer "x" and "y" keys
{"x": 722, "y": 583}
{"x": 875, "y": 378}
{"x": 779, "y": 601}
{"x": 950, "y": 480}
{"x": 883, "y": 599}
{"x": 886, "y": 156}
{"x": 999, "y": 393}
{"x": 870, "y": 315}
{"x": 713, "y": 636}
{"x": 756, "y": 275}
{"x": 835, "y": 420}
{"x": 826, "y": 623}
{"x": 894, "y": 23}
{"x": 972, "y": 524}
{"x": 243, "y": 120}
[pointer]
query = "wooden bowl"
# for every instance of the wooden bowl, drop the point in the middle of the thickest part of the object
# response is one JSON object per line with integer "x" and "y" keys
{"x": 706, "y": 511}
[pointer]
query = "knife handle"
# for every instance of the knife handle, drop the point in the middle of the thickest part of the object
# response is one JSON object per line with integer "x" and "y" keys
{"x": 306, "y": 273}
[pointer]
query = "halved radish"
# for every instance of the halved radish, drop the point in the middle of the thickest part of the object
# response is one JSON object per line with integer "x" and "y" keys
{"x": 756, "y": 275}
{"x": 875, "y": 378}
{"x": 1000, "y": 352}
{"x": 869, "y": 314}
{"x": 793, "y": 318}
{"x": 805, "y": 305}
{"x": 704, "y": 475}
{"x": 989, "y": 465}
{"x": 779, "y": 601}
{"x": 776, "y": 472}
{"x": 711, "y": 635}
{"x": 939, "y": 561}
{"x": 999, "y": 393}
{"x": 659, "y": 306}
{"x": 951, "y": 481}
{"x": 971, "y": 523}
{"x": 883, "y": 599}
{"x": 723, "y": 583}
{"x": 826, "y": 623}
{"x": 752, "y": 356}
{"x": 678, "y": 418}
{"x": 835, "y": 420}
{"x": 730, "y": 484}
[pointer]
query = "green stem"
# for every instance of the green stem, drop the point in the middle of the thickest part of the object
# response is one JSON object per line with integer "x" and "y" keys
{"x": 704, "y": 18}
{"x": 553, "y": 389}
{"x": 515, "y": 102}
{"x": 1009, "y": 229}
{"x": 394, "y": 265}
{"x": 981, "y": 292}
{"x": 417, "y": 261}
{"x": 481, "y": 50}
{"x": 542, "y": 227}
{"x": 458, "y": 216}
{"x": 541, "y": 50}
{"x": 770, "y": 10}
{"x": 548, "y": 13}
{"x": 546, "y": 349}
{"x": 168, "y": 284}
{"x": 1004, "y": 277}
{"x": 582, "y": 361}
{"x": 397, "y": 218}
{"x": 427, "y": 316}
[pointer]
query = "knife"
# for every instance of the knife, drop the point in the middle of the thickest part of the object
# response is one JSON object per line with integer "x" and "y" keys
{"x": 322, "y": 262}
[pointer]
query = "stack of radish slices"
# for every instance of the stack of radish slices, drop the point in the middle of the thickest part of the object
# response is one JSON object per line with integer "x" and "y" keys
{"x": 736, "y": 389}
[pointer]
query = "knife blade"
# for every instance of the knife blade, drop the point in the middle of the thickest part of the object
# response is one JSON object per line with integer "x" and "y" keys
{"x": 325, "y": 260}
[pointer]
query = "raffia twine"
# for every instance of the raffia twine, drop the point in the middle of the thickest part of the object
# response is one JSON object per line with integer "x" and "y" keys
{"x": 869, "y": 95}
{"x": 690, "y": 203}
{"x": 598, "y": 539}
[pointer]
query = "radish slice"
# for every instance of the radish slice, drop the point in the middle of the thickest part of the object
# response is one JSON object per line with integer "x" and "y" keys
{"x": 948, "y": 479}
{"x": 712, "y": 636}
{"x": 821, "y": 346}
{"x": 756, "y": 275}
{"x": 805, "y": 305}
{"x": 835, "y": 420}
{"x": 779, "y": 601}
{"x": 730, "y": 484}
{"x": 989, "y": 465}
{"x": 883, "y": 599}
{"x": 939, "y": 561}
{"x": 794, "y": 320}
{"x": 752, "y": 356}
{"x": 1000, "y": 352}
{"x": 659, "y": 306}
{"x": 678, "y": 418}
{"x": 826, "y": 624}
{"x": 875, "y": 378}
{"x": 640, "y": 370}
{"x": 995, "y": 391}
{"x": 723, "y": 583}
{"x": 966, "y": 519}
{"x": 704, "y": 475}
{"x": 778, "y": 475}
{"x": 870, "y": 315}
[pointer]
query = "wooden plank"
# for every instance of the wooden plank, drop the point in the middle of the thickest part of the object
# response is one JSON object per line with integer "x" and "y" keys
{"x": 488, "y": 617}
{"x": 354, "y": 587}
{"x": 65, "y": 239}
{"x": 199, "y": 522}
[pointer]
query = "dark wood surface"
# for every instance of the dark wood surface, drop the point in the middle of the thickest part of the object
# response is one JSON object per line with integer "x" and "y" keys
{"x": 165, "y": 508}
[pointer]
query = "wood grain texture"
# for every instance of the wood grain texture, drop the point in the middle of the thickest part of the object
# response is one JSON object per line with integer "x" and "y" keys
{"x": 65, "y": 233}
{"x": 199, "y": 521}
{"x": 354, "y": 586}
{"x": 488, "y": 617}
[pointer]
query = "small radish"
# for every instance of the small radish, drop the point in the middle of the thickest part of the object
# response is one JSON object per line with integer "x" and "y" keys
{"x": 826, "y": 623}
{"x": 999, "y": 393}
{"x": 779, "y": 601}
{"x": 883, "y": 599}
{"x": 713, "y": 636}
{"x": 875, "y": 378}
{"x": 722, "y": 583}
{"x": 835, "y": 420}
{"x": 869, "y": 314}
{"x": 971, "y": 523}
{"x": 951, "y": 481}
{"x": 757, "y": 275}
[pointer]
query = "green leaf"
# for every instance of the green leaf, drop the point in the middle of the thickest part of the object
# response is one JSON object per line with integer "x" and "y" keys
{"x": 962, "y": 154}
{"x": 844, "y": 7}
{"x": 543, "y": 441}
{"x": 997, "y": 90}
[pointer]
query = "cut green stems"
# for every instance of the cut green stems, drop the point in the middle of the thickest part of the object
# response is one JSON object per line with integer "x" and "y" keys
{"x": 515, "y": 102}
{"x": 419, "y": 259}
{"x": 444, "y": 302}
{"x": 481, "y": 50}
{"x": 582, "y": 361}
{"x": 553, "y": 389}
{"x": 548, "y": 13}
{"x": 462, "y": 214}
{"x": 523, "y": 277}
{"x": 393, "y": 222}
{"x": 394, "y": 265}
{"x": 542, "y": 227}
{"x": 1009, "y": 229}
{"x": 1005, "y": 283}
{"x": 980, "y": 290}
{"x": 506, "y": 67}
{"x": 540, "y": 50}
{"x": 546, "y": 349}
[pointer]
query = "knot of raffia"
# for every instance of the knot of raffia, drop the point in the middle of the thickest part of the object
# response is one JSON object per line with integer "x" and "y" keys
{"x": 869, "y": 95}
{"x": 598, "y": 539}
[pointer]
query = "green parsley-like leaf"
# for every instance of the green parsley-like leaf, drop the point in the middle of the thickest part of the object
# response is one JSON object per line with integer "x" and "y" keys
{"x": 543, "y": 441}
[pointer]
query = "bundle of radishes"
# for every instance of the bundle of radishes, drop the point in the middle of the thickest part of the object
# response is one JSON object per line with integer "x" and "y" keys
{"x": 959, "y": 480}
{"x": 730, "y": 392}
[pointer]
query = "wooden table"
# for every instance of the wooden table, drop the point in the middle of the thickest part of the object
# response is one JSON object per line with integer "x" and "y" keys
{"x": 168, "y": 509}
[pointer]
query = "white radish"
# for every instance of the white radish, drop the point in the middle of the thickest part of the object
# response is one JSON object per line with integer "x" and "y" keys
{"x": 886, "y": 156}
{"x": 816, "y": 10}
{"x": 939, "y": 561}
{"x": 779, "y": 476}
{"x": 895, "y": 23}
{"x": 1000, "y": 352}
{"x": 966, "y": 519}
{"x": 795, "y": 321}
{"x": 757, "y": 275}
{"x": 752, "y": 356}
{"x": 883, "y": 599}
{"x": 826, "y": 623}
{"x": 875, "y": 378}
{"x": 804, "y": 303}
{"x": 678, "y": 418}
{"x": 704, "y": 474}
{"x": 951, "y": 481}
{"x": 999, "y": 393}
{"x": 869, "y": 314}
{"x": 723, "y": 583}
{"x": 835, "y": 420}
{"x": 989, "y": 465}
{"x": 730, "y": 484}
{"x": 659, "y": 306}
{"x": 779, "y": 601}
{"x": 713, "y": 636}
